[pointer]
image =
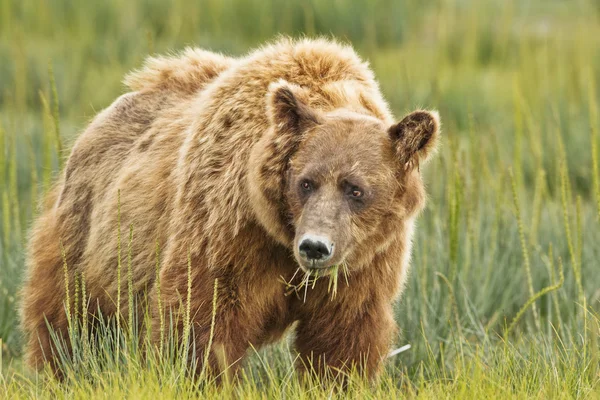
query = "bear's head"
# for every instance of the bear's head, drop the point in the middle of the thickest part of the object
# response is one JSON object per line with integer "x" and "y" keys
{"x": 336, "y": 186}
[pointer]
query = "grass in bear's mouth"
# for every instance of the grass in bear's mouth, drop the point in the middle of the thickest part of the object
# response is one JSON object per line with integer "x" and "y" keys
{"x": 312, "y": 275}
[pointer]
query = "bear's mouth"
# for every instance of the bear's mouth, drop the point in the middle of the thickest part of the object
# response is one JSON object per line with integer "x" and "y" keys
{"x": 309, "y": 277}
{"x": 317, "y": 268}
{"x": 321, "y": 271}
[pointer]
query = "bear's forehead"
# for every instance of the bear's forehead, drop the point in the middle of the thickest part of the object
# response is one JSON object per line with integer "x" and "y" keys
{"x": 343, "y": 151}
{"x": 349, "y": 139}
{"x": 339, "y": 166}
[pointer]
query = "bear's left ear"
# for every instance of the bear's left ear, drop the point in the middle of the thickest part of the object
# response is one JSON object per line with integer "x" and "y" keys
{"x": 415, "y": 137}
{"x": 286, "y": 110}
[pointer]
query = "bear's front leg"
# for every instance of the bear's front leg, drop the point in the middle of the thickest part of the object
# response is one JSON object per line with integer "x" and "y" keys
{"x": 224, "y": 315}
{"x": 188, "y": 316}
{"x": 335, "y": 337}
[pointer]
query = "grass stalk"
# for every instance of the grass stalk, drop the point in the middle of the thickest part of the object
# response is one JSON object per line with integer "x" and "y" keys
{"x": 48, "y": 139}
{"x": 538, "y": 197}
{"x": 524, "y": 249}
{"x": 3, "y": 153}
{"x": 212, "y": 330}
{"x": 572, "y": 252}
{"x": 574, "y": 259}
{"x": 118, "y": 315}
{"x": 159, "y": 301}
{"x": 33, "y": 175}
{"x": 67, "y": 292}
{"x": 536, "y": 296}
{"x": 13, "y": 187}
{"x": 555, "y": 298}
{"x": 518, "y": 120}
{"x": 6, "y": 228}
{"x": 130, "y": 295}
{"x": 187, "y": 317}
{"x": 594, "y": 132}
{"x": 55, "y": 115}
{"x": 455, "y": 204}
{"x": 452, "y": 302}
{"x": 84, "y": 321}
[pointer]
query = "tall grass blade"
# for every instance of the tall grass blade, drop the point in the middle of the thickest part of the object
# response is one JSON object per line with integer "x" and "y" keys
{"x": 524, "y": 249}
{"x": 55, "y": 115}
{"x": 535, "y": 297}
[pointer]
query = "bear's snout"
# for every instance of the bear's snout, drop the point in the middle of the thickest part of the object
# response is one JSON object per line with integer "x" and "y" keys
{"x": 315, "y": 249}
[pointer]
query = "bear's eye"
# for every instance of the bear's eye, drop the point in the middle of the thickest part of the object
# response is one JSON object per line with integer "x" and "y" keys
{"x": 306, "y": 186}
{"x": 356, "y": 193}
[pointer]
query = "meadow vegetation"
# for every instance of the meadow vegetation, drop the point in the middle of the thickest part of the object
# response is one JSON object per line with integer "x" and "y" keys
{"x": 503, "y": 298}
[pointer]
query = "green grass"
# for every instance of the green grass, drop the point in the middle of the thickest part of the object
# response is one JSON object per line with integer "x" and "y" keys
{"x": 504, "y": 295}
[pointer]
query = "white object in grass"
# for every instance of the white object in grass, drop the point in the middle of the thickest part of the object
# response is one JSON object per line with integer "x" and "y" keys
{"x": 399, "y": 350}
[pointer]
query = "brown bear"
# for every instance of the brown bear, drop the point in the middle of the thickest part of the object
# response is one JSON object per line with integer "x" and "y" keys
{"x": 250, "y": 169}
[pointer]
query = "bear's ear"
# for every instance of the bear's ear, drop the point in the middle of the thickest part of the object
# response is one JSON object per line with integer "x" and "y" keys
{"x": 415, "y": 137}
{"x": 286, "y": 111}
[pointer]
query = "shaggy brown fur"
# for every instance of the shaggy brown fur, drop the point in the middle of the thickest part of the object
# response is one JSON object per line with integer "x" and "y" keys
{"x": 209, "y": 154}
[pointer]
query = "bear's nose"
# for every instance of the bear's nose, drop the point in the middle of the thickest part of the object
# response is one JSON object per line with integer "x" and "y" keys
{"x": 315, "y": 248}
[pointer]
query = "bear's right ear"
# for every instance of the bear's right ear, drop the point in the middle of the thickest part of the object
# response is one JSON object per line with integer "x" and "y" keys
{"x": 286, "y": 111}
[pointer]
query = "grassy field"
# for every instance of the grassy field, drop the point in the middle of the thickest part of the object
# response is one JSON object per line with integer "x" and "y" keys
{"x": 504, "y": 295}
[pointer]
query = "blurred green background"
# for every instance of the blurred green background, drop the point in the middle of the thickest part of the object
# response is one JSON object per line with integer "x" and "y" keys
{"x": 516, "y": 85}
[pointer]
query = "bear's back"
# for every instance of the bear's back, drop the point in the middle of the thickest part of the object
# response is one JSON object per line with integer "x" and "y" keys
{"x": 332, "y": 75}
{"x": 184, "y": 73}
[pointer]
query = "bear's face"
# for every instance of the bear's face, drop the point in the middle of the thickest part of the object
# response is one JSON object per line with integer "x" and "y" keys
{"x": 342, "y": 177}
{"x": 339, "y": 186}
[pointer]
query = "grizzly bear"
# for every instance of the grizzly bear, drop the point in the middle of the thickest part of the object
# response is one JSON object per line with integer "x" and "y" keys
{"x": 245, "y": 171}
